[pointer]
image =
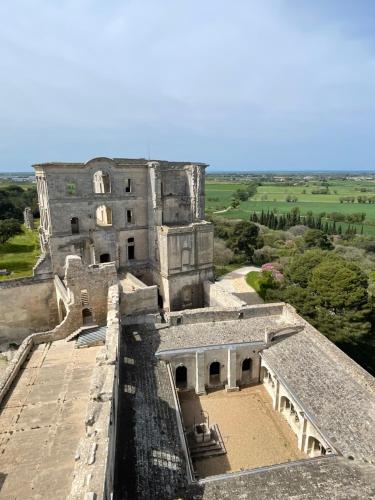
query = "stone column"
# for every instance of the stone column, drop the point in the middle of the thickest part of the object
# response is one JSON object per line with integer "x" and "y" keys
{"x": 232, "y": 370}
{"x": 276, "y": 398}
{"x": 302, "y": 433}
{"x": 199, "y": 373}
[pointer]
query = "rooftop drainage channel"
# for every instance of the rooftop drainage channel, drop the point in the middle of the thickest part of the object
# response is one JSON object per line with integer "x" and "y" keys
{"x": 267, "y": 468}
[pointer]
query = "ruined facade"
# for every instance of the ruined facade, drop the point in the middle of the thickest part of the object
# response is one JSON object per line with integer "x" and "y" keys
{"x": 208, "y": 397}
{"x": 146, "y": 216}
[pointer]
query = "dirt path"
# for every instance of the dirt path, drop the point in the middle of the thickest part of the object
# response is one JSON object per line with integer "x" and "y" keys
{"x": 235, "y": 282}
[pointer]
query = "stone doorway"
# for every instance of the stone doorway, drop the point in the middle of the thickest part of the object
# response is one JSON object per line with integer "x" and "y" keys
{"x": 87, "y": 317}
{"x": 246, "y": 371}
{"x": 181, "y": 377}
{"x": 215, "y": 373}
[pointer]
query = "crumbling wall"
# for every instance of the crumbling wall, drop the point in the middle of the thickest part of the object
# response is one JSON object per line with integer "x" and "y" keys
{"x": 136, "y": 297}
{"x": 95, "y": 457}
{"x": 27, "y": 305}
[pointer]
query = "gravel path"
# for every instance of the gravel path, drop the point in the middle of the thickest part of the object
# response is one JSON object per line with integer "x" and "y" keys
{"x": 235, "y": 282}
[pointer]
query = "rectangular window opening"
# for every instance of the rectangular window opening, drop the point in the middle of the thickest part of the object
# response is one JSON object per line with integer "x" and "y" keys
{"x": 128, "y": 187}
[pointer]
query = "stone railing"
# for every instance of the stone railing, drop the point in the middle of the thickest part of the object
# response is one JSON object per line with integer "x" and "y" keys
{"x": 95, "y": 457}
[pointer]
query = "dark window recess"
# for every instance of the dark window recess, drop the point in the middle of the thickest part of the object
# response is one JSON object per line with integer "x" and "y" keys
{"x": 130, "y": 253}
{"x": 128, "y": 187}
{"x": 131, "y": 249}
{"x": 105, "y": 257}
{"x": 129, "y": 216}
{"x": 74, "y": 223}
{"x": 246, "y": 365}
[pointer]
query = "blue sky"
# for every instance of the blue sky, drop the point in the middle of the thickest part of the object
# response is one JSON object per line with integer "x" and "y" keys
{"x": 265, "y": 84}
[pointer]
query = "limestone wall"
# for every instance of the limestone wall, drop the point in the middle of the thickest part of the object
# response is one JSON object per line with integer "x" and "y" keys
{"x": 94, "y": 470}
{"x": 136, "y": 297}
{"x": 27, "y": 305}
{"x": 216, "y": 296}
{"x": 208, "y": 314}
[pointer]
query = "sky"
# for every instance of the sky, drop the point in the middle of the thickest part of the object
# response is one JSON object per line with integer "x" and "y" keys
{"x": 243, "y": 84}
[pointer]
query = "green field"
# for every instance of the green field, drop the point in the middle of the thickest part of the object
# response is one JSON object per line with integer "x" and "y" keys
{"x": 272, "y": 197}
{"x": 19, "y": 254}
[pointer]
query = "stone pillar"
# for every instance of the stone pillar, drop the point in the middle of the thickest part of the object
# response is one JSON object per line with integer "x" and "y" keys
{"x": 302, "y": 433}
{"x": 28, "y": 218}
{"x": 232, "y": 370}
{"x": 199, "y": 373}
{"x": 276, "y": 402}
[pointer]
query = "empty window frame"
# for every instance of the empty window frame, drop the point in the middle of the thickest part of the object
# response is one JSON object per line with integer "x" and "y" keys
{"x": 129, "y": 216}
{"x": 102, "y": 182}
{"x": 104, "y": 216}
{"x": 128, "y": 186}
{"x": 74, "y": 224}
{"x": 131, "y": 249}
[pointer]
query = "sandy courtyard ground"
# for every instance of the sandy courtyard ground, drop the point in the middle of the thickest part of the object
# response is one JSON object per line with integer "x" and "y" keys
{"x": 254, "y": 434}
{"x": 42, "y": 420}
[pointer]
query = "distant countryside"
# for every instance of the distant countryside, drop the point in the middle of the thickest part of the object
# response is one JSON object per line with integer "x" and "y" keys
{"x": 348, "y": 200}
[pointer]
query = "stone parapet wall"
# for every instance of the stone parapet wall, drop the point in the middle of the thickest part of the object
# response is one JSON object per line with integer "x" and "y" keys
{"x": 209, "y": 314}
{"x": 94, "y": 470}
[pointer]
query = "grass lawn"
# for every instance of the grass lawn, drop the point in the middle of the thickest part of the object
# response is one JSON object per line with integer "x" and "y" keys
{"x": 252, "y": 279}
{"x": 19, "y": 254}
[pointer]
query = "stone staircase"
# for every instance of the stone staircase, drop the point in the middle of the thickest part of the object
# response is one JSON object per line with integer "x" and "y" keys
{"x": 214, "y": 445}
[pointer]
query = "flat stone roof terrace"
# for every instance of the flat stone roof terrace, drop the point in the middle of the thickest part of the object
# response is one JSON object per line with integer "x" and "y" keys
{"x": 42, "y": 420}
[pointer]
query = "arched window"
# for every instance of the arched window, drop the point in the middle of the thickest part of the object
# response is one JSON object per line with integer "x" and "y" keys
{"x": 315, "y": 447}
{"x": 86, "y": 316}
{"x": 181, "y": 377}
{"x": 104, "y": 216}
{"x": 215, "y": 373}
{"x": 246, "y": 371}
{"x": 102, "y": 182}
{"x": 74, "y": 224}
{"x": 246, "y": 365}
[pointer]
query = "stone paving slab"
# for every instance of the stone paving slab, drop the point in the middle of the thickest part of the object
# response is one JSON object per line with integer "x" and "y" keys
{"x": 42, "y": 420}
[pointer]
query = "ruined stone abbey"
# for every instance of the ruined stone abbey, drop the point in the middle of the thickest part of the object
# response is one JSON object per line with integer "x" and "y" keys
{"x": 140, "y": 376}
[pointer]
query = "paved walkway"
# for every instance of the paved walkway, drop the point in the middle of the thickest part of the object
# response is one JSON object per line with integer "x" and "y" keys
{"x": 42, "y": 420}
{"x": 235, "y": 282}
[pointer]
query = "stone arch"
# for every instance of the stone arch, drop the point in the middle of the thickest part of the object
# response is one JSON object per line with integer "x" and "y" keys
{"x": 181, "y": 377}
{"x": 87, "y": 318}
{"x": 103, "y": 216}
{"x": 246, "y": 370}
{"x": 314, "y": 447}
{"x": 102, "y": 182}
{"x": 264, "y": 374}
{"x": 285, "y": 404}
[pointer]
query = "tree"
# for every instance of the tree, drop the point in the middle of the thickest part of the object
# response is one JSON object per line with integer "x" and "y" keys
{"x": 343, "y": 309}
{"x": 222, "y": 254}
{"x": 317, "y": 238}
{"x": 244, "y": 239}
{"x": 9, "y": 228}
